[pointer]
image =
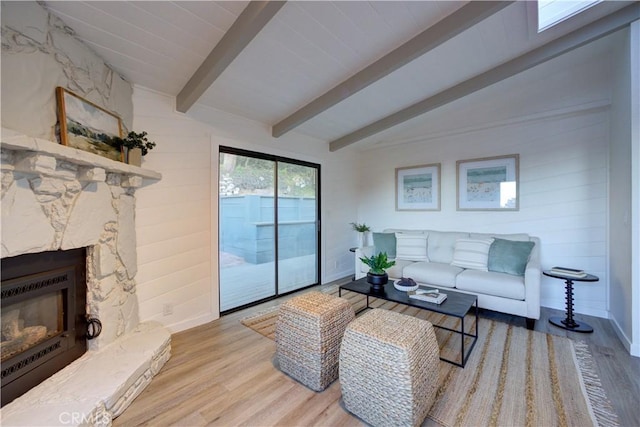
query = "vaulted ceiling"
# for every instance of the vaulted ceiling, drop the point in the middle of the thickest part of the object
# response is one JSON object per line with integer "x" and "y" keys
{"x": 344, "y": 72}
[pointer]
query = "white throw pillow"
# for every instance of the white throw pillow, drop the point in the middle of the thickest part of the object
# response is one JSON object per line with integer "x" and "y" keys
{"x": 412, "y": 247}
{"x": 472, "y": 253}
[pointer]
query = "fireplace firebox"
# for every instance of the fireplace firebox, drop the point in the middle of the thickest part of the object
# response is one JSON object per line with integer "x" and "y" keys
{"x": 44, "y": 326}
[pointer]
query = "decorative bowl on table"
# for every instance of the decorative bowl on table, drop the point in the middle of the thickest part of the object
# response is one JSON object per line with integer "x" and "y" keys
{"x": 405, "y": 284}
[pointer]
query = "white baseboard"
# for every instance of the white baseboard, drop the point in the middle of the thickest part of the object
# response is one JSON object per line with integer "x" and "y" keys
{"x": 588, "y": 311}
{"x": 192, "y": 323}
{"x": 594, "y": 312}
{"x": 336, "y": 276}
{"x": 634, "y": 350}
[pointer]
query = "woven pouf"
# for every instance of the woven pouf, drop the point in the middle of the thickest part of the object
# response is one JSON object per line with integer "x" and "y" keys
{"x": 389, "y": 367}
{"x": 309, "y": 330}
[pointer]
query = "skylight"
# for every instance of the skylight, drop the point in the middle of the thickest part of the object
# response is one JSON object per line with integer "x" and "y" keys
{"x": 552, "y": 12}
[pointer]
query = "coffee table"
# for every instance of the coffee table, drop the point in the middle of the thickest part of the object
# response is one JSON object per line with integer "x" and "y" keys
{"x": 457, "y": 305}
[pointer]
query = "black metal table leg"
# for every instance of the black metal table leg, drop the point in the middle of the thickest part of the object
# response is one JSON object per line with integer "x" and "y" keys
{"x": 568, "y": 322}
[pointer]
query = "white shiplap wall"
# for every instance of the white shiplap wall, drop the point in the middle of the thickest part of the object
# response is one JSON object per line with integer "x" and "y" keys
{"x": 620, "y": 229}
{"x": 563, "y": 193}
{"x": 173, "y": 217}
{"x": 624, "y": 201}
{"x": 556, "y": 116}
{"x": 176, "y": 218}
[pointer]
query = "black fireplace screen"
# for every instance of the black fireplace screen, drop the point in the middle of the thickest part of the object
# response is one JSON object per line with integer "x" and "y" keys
{"x": 43, "y": 317}
{"x": 28, "y": 323}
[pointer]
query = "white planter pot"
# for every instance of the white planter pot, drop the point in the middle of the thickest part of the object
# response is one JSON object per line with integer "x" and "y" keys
{"x": 362, "y": 239}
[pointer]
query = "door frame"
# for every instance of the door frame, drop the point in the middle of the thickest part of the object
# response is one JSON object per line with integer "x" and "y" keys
{"x": 276, "y": 159}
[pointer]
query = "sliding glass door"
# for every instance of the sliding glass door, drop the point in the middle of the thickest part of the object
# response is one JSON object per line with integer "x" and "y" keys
{"x": 297, "y": 226}
{"x": 268, "y": 227}
{"x": 246, "y": 243}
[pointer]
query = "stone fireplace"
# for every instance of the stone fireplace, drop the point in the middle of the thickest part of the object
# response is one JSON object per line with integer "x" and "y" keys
{"x": 59, "y": 198}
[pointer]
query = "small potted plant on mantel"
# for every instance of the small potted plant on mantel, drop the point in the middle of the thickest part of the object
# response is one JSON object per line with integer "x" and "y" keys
{"x": 131, "y": 142}
{"x": 362, "y": 229}
{"x": 377, "y": 276}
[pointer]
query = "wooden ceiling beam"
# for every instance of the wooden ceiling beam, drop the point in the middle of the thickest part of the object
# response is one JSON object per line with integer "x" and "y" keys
{"x": 450, "y": 26}
{"x": 248, "y": 24}
{"x": 591, "y": 32}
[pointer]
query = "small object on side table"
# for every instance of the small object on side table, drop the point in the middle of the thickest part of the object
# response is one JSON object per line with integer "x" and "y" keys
{"x": 568, "y": 322}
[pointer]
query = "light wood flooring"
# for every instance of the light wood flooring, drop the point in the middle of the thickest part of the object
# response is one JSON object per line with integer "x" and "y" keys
{"x": 222, "y": 374}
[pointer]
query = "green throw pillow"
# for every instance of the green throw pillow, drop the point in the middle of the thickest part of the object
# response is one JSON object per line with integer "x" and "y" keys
{"x": 385, "y": 242}
{"x": 508, "y": 256}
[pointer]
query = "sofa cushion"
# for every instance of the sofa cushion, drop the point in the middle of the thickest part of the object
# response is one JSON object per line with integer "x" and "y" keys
{"x": 507, "y": 256}
{"x": 441, "y": 245}
{"x": 472, "y": 253}
{"x": 412, "y": 247}
{"x": 433, "y": 273}
{"x": 405, "y": 231}
{"x": 519, "y": 237}
{"x": 491, "y": 283}
{"x": 397, "y": 270}
{"x": 385, "y": 242}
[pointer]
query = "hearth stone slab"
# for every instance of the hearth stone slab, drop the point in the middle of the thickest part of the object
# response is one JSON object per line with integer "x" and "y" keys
{"x": 96, "y": 388}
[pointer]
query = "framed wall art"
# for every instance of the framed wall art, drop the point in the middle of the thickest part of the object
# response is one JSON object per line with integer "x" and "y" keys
{"x": 488, "y": 184}
{"x": 85, "y": 126}
{"x": 418, "y": 188}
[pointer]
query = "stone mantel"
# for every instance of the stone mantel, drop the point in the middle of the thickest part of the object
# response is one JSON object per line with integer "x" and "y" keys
{"x": 15, "y": 141}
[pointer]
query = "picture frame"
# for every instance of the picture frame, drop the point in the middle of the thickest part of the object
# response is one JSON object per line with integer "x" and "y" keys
{"x": 86, "y": 126}
{"x": 488, "y": 184}
{"x": 418, "y": 188}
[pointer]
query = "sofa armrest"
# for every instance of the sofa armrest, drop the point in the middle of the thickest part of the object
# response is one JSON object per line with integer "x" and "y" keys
{"x": 361, "y": 268}
{"x": 532, "y": 278}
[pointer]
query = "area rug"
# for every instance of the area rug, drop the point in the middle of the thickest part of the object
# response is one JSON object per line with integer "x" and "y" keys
{"x": 514, "y": 377}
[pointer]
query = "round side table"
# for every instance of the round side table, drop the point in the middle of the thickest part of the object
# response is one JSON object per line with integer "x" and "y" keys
{"x": 568, "y": 322}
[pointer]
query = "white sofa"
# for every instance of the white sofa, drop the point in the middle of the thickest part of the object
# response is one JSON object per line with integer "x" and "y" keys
{"x": 438, "y": 259}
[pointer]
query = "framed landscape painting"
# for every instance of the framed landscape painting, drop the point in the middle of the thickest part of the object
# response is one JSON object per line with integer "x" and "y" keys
{"x": 85, "y": 126}
{"x": 418, "y": 188}
{"x": 488, "y": 184}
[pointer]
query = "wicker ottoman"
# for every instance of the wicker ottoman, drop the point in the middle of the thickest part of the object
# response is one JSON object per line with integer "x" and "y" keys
{"x": 389, "y": 367}
{"x": 309, "y": 331}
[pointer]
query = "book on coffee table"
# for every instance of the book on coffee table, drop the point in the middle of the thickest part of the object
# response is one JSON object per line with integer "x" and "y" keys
{"x": 429, "y": 295}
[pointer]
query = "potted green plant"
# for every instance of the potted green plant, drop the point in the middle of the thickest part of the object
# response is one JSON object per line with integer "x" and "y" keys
{"x": 362, "y": 229}
{"x": 377, "y": 276}
{"x": 132, "y": 141}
